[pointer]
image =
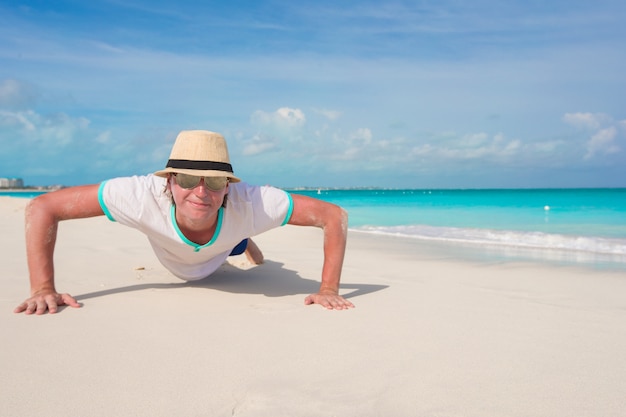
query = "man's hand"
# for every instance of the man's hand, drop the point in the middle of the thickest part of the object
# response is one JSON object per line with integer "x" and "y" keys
{"x": 43, "y": 301}
{"x": 330, "y": 300}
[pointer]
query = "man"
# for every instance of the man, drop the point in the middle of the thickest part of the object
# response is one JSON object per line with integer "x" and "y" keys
{"x": 194, "y": 212}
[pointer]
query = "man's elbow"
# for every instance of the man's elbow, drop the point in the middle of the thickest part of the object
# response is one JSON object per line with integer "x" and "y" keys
{"x": 33, "y": 206}
{"x": 341, "y": 216}
{"x": 344, "y": 216}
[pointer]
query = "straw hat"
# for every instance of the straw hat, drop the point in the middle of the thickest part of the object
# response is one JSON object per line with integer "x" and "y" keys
{"x": 200, "y": 153}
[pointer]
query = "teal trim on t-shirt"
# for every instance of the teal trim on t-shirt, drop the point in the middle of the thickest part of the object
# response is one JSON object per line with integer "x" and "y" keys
{"x": 290, "y": 210}
{"x": 196, "y": 247}
{"x": 101, "y": 201}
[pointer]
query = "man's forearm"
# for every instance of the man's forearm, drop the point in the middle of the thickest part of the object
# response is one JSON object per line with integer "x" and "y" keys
{"x": 335, "y": 238}
{"x": 41, "y": 233}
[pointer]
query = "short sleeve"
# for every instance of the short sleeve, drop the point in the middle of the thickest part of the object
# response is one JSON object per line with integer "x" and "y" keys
{"x": 133, "y": 201}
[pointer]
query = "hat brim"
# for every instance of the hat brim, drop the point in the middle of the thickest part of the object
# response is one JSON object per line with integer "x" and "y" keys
{"x": 198, "y": 173}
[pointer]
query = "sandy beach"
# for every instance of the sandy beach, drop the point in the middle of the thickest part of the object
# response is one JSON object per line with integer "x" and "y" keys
{"x": 431, "y": 334}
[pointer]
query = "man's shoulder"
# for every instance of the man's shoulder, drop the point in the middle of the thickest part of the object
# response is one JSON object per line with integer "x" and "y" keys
{"x": 139, "y": 181}
{"x": 247, "y": 191}
{"x": 137, "y": 187}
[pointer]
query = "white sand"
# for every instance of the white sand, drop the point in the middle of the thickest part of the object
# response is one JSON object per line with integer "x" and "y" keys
{"x": 430, "y": 336}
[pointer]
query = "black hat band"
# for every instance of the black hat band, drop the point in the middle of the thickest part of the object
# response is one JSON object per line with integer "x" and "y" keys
{"x": 199, "y": 165}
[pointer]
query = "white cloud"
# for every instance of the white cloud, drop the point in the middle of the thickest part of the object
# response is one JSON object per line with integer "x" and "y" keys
{"x": 329, "y": 114}
{"x": 423, "y": 150}
{"x": 283, "y": 118}
{"x": 57, "y": 129}
{"x": 547, "y": 147}
{"x": 272, "y": 128}
{"x": 350, "y": 146}
{"x": 107, "y": 47}
{"x": 293, "y": 117}
{"x": 362, "y": 135}
{"x": 258, "y": 145}
{"x": 17, "y": 120}
{"x": 104, "y": 138}
{"x": 474, "y": 140}
{"x": 61, "y": 128}
{"x": 470, "y": 147}
{"x": 586, "y": 120}
{"x": 602, "y": 142}
{"x": 16, "y": 95}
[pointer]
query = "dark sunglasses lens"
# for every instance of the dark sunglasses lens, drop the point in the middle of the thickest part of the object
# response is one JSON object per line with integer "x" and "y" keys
{"x": 215, "y": 183}
{"x": 187, "y": 181}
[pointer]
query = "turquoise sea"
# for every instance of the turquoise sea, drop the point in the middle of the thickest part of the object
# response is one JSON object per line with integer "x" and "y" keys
{"x": 581, "y": 226}
{"x": 21, "y": 193}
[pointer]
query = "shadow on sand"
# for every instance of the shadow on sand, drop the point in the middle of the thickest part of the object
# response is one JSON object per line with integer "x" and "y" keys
{"x": 270, "y": 279}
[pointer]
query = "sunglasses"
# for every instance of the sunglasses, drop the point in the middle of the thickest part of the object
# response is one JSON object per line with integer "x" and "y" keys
{"x": 189, "y": 182}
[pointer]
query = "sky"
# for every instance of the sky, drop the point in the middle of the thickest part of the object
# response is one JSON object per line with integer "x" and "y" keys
{"x": 397, "y": 94}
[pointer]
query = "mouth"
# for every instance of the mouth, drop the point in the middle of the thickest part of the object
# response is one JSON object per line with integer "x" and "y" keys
{"x": 199, "y": 204}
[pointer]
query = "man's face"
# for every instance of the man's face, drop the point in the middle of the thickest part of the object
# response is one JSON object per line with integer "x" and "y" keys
{"x": 200, "y": 201}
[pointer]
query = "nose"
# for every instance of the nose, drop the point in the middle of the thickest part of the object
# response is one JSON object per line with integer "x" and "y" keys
{"x": 201, "y": 189}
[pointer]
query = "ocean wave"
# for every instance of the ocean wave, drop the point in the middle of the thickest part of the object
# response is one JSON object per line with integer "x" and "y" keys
{"x": 505, "y": 238}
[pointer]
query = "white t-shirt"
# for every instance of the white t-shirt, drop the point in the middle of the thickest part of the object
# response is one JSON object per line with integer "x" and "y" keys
{"x": 140, "y": 202}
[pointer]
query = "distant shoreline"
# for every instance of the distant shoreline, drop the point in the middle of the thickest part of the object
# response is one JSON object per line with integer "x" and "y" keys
{"x": 23, "y": 190}
{"x": 29, "y": 189}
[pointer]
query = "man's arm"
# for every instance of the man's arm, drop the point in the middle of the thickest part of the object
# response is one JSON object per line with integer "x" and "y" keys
{"x": 42, "y": 218}
{"x": 333, "y": 220}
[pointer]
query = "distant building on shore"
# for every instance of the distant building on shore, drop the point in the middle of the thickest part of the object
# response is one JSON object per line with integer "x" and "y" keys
{"x": 11, "y": 183}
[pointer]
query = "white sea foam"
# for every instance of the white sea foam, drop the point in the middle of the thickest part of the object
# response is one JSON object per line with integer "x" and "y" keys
{"x": 505, "y": 238}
